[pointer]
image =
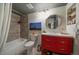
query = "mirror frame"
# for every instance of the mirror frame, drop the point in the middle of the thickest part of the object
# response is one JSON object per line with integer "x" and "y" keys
{"x": 57, "y": 19}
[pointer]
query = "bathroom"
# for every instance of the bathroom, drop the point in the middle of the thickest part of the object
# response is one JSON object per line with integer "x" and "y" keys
{"x": 29, "y": 24}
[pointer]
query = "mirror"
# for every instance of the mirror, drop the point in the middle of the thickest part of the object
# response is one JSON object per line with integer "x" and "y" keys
{"x": 53, "y": 21}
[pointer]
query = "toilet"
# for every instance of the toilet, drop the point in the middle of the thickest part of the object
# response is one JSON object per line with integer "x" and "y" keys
{"x": 30, "y": 44}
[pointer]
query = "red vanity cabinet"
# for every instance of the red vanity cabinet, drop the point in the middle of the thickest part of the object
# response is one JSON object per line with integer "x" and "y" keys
{"x": 57, "y": 44}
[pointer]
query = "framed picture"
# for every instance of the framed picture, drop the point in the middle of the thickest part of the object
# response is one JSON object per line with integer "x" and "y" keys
{"x": 71, "y": 15}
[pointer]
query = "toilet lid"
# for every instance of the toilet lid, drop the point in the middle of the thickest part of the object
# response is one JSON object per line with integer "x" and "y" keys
{"x": 29, "y": 43}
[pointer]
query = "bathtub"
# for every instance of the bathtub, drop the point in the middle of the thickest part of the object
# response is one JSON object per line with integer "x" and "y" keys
{"x": 15, "y": 47}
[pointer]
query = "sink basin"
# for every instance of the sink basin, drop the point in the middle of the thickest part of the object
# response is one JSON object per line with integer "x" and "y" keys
{"x": 29, "y": 43}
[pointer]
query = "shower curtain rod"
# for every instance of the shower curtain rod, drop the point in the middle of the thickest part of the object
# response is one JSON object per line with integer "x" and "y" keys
{"x": 17, "y": 12}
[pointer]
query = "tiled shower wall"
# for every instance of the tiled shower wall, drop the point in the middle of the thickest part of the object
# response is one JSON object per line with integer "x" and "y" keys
{"x": 14, "y": 31}
{"x": 24, "y": 27}
{"x": 18, "y": 30}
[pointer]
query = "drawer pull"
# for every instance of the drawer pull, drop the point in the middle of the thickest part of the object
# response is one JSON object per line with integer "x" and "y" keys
{"x": 47, "y": 40}
{"x": 62, "y": 42}
{"x": 62, "y": 49}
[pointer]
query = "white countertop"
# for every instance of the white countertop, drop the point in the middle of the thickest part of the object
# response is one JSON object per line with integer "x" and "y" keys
{"x": 57, "y": 34}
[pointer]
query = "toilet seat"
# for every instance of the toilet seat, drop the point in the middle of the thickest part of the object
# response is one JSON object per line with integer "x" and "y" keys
{"x": 29, "y": 44}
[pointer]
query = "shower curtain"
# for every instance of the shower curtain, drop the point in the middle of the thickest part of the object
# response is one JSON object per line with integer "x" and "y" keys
{"x": 5, "y": 17}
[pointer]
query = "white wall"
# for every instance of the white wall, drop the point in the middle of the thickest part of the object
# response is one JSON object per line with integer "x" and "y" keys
{"x": 43, "y": 15}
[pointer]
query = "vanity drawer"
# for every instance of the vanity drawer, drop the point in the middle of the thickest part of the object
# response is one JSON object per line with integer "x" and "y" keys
{"x": 63, "y": 50}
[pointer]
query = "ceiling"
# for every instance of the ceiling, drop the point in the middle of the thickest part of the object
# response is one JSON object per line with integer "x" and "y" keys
{"x": 21, "y": 7}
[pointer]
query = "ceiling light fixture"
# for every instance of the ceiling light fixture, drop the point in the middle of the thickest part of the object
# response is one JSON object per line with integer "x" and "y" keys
{"x": 30, "y": 6}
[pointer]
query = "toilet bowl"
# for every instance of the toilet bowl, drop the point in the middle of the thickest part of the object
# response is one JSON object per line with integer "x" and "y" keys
{"x": 29, "y": 46}
{"x": 29, "y": 43}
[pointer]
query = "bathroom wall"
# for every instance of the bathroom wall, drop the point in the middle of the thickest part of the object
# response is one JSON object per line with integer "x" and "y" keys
{"x": 24, "y": 27}
{"x": 43, "y": 15}
{"x": 14, "y": 31}
{"x": 18, "y": 27}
